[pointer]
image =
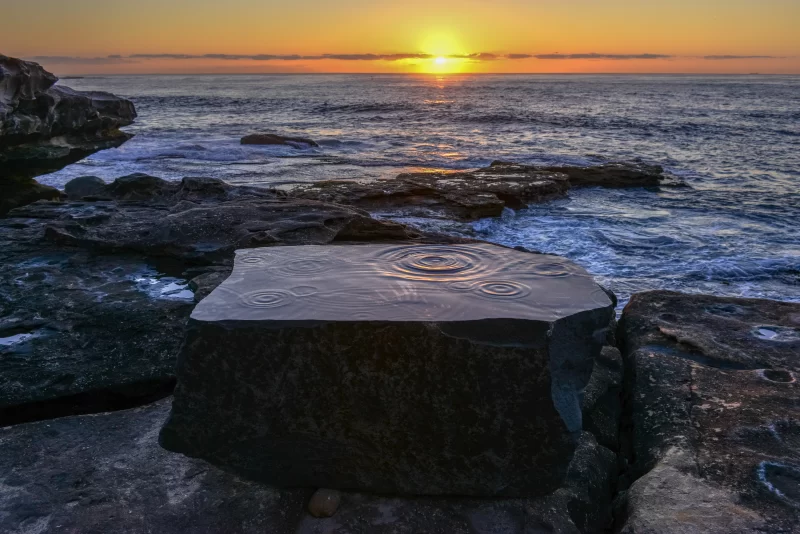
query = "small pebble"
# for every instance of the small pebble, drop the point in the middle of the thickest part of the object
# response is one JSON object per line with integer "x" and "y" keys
{"x": 324, "y": 503}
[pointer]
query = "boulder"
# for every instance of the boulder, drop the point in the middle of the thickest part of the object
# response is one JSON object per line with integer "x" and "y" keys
{"x": 274, "y": 139}
{"x": 23, "y": 191}
{"x": 713, "y": 413}
{"x": 106, "y": 473}
{"x": 411, "y": 369}
{"x": 84, "y": 186}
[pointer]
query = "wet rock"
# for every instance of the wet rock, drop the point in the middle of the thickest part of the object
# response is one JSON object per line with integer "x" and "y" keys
{"x": 324, "y": 503}
{"x": 704, "y": 383}
{"x": 417, "y": 369}
{"x": 462, "y": 195}
{"x": 274, "y": 139}
{"x": 84, "y": 186}
{"x": 106, "y": 473}
{"x": 84, "y": 333}
{"x": 475, "y": 194}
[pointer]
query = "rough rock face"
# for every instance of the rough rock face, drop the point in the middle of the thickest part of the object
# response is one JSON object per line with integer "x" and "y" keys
{"x": 475, "y": 194}
{"x": 274, "y": 139}
{"x": 714, "y": 413}
{"x": 44, "y": 127}
{"x": 422, "y": 369}
{"x": 106, "y": 473}
{"x": 94, "y": 296}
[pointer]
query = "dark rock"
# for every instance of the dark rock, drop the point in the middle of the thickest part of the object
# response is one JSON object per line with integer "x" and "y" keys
{"x": 44, "y": 127}
{"x": 324, "y": 503}
{"x": 713, "y": 411}
{"x": 613, "y": 175}
{"x": 22, "y": 80}
{"x": 201, "y": 220}
{"x": 402, "y": 369}
{"x": 105, "y": 473}
{"x": 23, "y": 191}
{"x": 82, "y": 333}
{"x": 84, "y": 186}
{"x": 475, "y": 194}
{"x": 274, "y": 139}
{"x": 602, "y": 398}
{"x": 462, "y": 195}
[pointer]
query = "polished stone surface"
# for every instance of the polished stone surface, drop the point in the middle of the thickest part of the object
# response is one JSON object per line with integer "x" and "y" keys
{"x": 462, "y": 282}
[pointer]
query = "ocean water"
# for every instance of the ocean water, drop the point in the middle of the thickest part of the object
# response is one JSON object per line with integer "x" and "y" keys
{"x": 734, "y": 139}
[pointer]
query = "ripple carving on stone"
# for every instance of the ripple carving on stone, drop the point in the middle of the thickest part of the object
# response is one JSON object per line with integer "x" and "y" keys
{"x": 269, "y": 298}
{"x": 419, "y": 282}
{"x": 506, "y": 289}
{"x": 435, "y": 263}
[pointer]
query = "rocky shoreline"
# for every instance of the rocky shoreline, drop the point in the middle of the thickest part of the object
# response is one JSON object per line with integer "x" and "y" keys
{"x": 691, "y": 416}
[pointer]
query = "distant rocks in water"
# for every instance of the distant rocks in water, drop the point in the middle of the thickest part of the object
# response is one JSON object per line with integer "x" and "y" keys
{"x": 388, "y": 368}
{"x": 715, "y": 414}
{"x": 44, "y": 127}
{"x": 275, "y": 139}
{"x": 469, "y": 195}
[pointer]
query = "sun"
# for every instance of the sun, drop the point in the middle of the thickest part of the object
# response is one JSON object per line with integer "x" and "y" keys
{"x": 441, "y": 60}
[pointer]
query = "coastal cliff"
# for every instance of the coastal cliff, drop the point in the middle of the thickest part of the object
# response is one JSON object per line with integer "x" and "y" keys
{"x": 44, "y": 127}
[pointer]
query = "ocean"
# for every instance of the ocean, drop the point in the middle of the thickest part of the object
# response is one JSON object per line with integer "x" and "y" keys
{"x": 735, "y": 140}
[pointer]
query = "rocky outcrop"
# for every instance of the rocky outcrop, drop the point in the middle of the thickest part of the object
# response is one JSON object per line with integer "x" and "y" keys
{"x": 475, "y": 194}
{"x": 199, "y": 220}
{"x": 712, "y": 418}
{"x": 421, "y": 369}
{"x": 274, "y": 139}
{"x": 44, "y": 127}
{"x": 461, "y": 195}
{"x": 612, "y": 175}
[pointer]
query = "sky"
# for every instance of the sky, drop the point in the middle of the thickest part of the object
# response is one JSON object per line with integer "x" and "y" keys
{"x": 436, "y": 36}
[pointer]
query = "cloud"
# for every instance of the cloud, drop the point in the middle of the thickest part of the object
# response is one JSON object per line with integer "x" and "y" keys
{"x": 602, "y": 56}
{"x": 74, "y": 60}
{"x": 482, "y": 56}
{"x": 740, "y": 57}
{"x": 287, "y": 57}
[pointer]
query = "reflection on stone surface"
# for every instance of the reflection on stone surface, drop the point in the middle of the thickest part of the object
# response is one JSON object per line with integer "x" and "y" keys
{"x": 400, "y": 283}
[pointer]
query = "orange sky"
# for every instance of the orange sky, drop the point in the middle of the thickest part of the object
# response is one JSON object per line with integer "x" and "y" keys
{"x": 561, "y": 34}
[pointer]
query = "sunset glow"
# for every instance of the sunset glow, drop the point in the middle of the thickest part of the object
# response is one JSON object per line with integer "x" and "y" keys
{"x": 449, "y": 36}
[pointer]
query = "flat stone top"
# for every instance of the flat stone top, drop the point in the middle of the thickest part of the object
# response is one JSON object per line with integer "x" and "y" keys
{"x": 427, "y": 283}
